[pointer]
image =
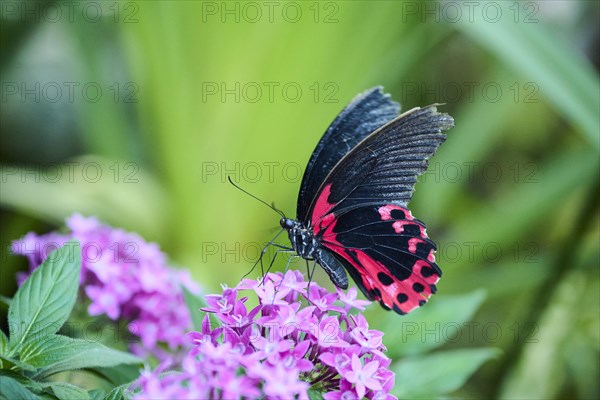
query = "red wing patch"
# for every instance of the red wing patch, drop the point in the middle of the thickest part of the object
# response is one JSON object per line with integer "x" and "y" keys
{"x": 386, "y": 251}
{"x": 320, "y": 217}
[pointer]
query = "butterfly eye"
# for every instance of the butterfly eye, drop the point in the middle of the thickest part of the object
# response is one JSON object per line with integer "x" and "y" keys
{"x": 286, "y": 223}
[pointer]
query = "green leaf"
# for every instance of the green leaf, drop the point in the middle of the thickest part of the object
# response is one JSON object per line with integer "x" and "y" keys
{"x": 66, "y": 391}
{"x": 118, "y": 393}
{"x": 62, "y": 353}
{"x": 22, "y": 379}
{"x": 46, "y": 351}
{"x": 194, "y": 303}
{"x": 43, "y": 303}
{"x": 7, "y": 361}
{"x": 97, "y": 394}
{"x": 13, "y": 390}
{"x": 118, "y": 375}
{"x": 314, "y": 394}
{"x": 3, "y": 343}
{"x": 430, "y": 327}
{"x": 440, "y": 373}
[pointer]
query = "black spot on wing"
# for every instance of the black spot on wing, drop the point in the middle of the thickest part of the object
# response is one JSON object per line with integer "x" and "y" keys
{"x": 397, "y": 214}
{"x": 402, "y": 297}
{"x": 385, "y": 279}
{"x": 417, "y": 287}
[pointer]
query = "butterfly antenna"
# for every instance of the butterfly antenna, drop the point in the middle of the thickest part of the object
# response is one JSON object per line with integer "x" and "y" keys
{"x": 272, "y": 207}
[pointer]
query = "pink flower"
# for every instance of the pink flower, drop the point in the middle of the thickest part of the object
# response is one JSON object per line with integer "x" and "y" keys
{"x": 350, "y": 298}
{"x": 282, "y": 347}
{"x": 362, "y": 376}
{"x": 125, "y": 278}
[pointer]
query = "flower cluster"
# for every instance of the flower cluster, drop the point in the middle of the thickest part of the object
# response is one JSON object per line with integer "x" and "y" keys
{"x": 124, "y": 277}
{"x": 280, "y": 348}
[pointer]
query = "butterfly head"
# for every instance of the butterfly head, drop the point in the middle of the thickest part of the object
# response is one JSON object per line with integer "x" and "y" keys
{"x": 286, "y": 223}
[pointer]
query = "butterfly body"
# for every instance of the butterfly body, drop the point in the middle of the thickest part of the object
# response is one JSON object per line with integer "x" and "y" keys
{"x": 302, "y": 238}
{"x": 352, "y": 213}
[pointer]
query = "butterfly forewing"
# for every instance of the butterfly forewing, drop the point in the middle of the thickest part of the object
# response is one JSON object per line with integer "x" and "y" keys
{"x": 365, "y": 114}
{"x": 383, "y": 168}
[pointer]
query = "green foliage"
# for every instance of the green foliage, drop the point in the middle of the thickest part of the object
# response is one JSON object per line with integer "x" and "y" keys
{"x": 194, "y": 303}
{"x": 422, "y": 374}
{"x": 541, "y": 212}
{"x": 34, "y": 352}
{"x": 434, "y": 375}
{"x": 314, "y": 394}
{"x": 428, "y": 328}
{"x": 43, "y": 303}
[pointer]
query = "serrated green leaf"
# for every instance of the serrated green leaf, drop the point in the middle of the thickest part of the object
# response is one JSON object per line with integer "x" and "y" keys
{"x": 46, "y": 351}
{"x": 430, "y": 327}
{"x": 66, "y": 391}
{"x": 22, "y": 379}
{"x": 43, "y": 303}
{"x": 439, "y": 373}
{"x": 11, "y": 389}
{"x": 119, "y": 393}
{"x": 62, "y": 353}
{"x": 7, "y": 361}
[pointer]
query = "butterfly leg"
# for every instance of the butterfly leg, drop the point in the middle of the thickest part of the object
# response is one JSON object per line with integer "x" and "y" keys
{"x": 263, "y": 251}
{"x": 287, "y": 266}
{"x": 281, "y": 250}
{"x": 310, "y": 276}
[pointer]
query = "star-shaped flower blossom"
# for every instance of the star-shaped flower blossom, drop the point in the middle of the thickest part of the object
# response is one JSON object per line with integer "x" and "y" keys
{"x": 363, "y": 376}
{"x": 367, "y": 338}
{"x": 324, "y": 301}
{"x": 269, "y": 296}
{"x": 350, "y": 298}
{"x": 340, "y": 358}
{"x": 329, "y": 333}
{"x": 283, "y": 383}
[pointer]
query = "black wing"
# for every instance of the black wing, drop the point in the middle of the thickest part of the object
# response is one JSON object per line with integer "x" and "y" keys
{"x": 366, "y": 113}
{"x": 383, "y": 168}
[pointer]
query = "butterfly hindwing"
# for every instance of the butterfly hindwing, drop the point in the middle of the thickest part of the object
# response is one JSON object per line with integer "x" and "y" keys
{"x": 366, "y": 113}
{"x": 387, "y": 252}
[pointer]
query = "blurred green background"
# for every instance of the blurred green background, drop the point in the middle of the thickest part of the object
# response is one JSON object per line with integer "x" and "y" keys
{"x": 146, "y": 106}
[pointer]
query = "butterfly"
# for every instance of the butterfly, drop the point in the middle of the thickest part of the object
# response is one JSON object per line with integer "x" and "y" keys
{"x": 352, "y": 213}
